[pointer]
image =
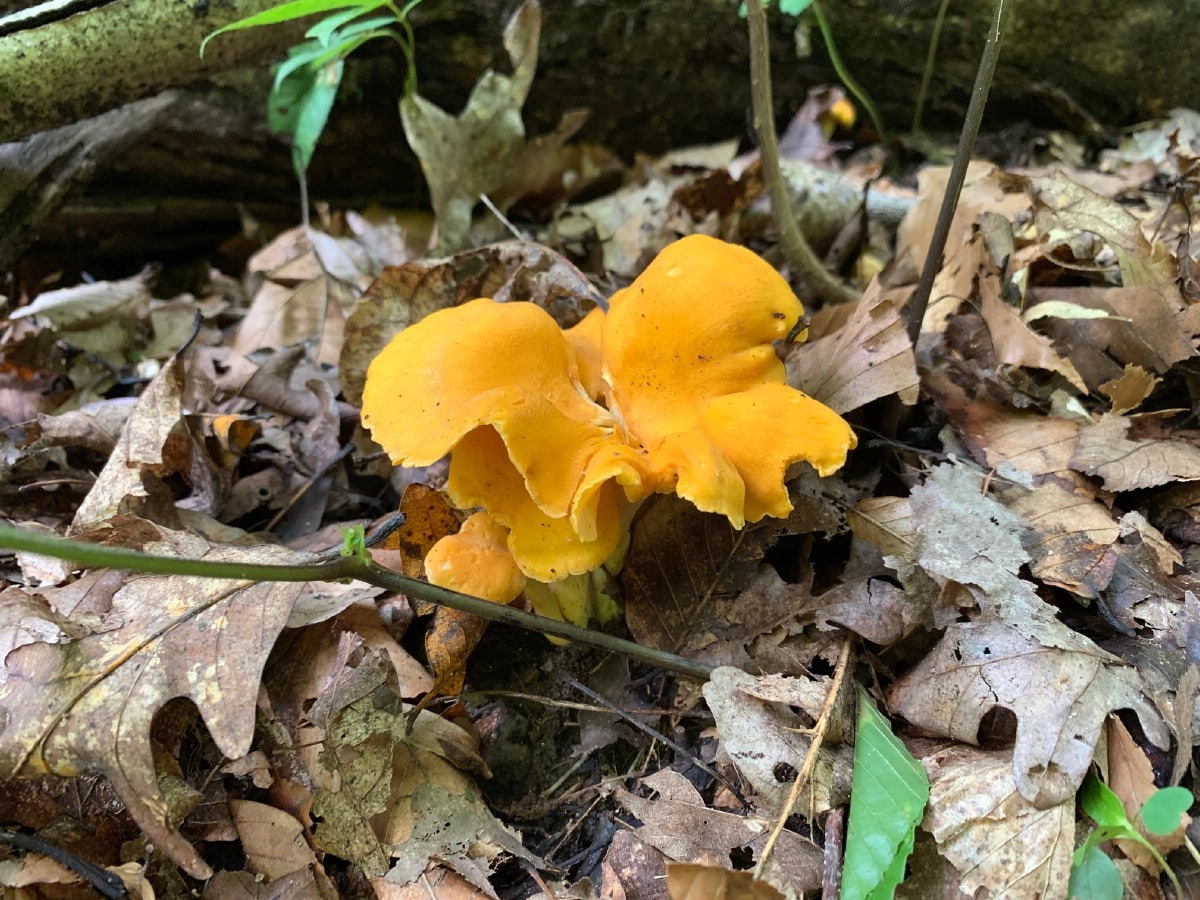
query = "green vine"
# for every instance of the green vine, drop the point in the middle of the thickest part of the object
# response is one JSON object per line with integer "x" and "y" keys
{"x": 358, "y": 566}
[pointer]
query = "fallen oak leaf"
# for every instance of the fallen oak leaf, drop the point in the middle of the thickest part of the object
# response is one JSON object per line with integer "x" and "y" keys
{"x": 1106, "y": 451}
{"x": 87, "y": 705}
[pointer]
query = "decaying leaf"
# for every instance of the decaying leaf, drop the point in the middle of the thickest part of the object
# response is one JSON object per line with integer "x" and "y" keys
{"x": 1124, "y": 464}
{"x": 306, "y": 284}
{"x": 1073, "y": 547}
{"x": 992, "y": 834}
{"x": 977, "y": 668}
{"x": 677, "y": 822}
{"x": 86, "y": 705}
{"x": 756, "y": 736}
{"x": 155, "y": 442}
{"x": 867, "y": 358}
{"x": 482, "y": 150}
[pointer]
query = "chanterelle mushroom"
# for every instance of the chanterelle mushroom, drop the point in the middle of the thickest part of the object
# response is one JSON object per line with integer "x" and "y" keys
{"x": 555, "y": 435}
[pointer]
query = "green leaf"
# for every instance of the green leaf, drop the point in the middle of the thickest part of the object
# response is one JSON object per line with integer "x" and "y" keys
{"x": 887, "y": 800}
{"x": 325, "y": 30}
{"x": 288, "y": 12}
{"x": 1102, "y": 805}
{"x": 1095, "y": 878}
{"x": 787, "y": 7}
{"x": 1163, "y": 809}
{"x": 354, "y": 542}
{"x": 299, "y": 107}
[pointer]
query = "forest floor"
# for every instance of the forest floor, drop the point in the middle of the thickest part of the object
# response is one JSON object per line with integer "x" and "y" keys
{"x": 1005, "y": 567}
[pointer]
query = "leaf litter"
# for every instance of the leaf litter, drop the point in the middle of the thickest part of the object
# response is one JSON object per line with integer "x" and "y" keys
{"x": 1013, "y": 544}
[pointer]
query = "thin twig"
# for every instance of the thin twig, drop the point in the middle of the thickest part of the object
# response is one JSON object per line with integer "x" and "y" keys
{"x": 958, "y": 171}
{"x": 810, "y": 759}
{"x": 652, "y": 733}
{"x": 359, "y": 568}
{"x": 795, "y": 248}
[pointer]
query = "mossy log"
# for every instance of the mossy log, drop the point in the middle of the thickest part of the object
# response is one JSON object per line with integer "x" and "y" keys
{"x": 653, "y": 75}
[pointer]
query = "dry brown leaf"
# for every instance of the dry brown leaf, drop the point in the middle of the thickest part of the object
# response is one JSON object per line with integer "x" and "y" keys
{"x": 483, "y": 150}
{"x": 677, "y": 822}
{"x": 995, "y": 837}
{"x": 86, "y": 706}
{"x": 451, "y": 637}
{"x": 1022, "y": 446}
{"x": 1106, "y": 451}
{"x": 683, "y": 572}
{"x": 632, "y": 870}
{"x": 437, "y": 882}
{"x": 954, "y": 537}
{"x": 298, "y": 300}
{"x": 1061, "y": 204}
{"x": 304, "y": 884}
{"x": 1013, "y": 343}
{"x": 686, "y": 881}
{"x": 156, "y": 442}
{"x": 875, "y": 608}
{"x": 402, "y": 295}
{"x": 692, "y": 582}
{"x": 758, "y": 736}
{"x": 976, "y": 668}
{"x": 1073, "y": 547}
{"x": 272, "y": 840}
{"x": 987, "y": 189}
{"x": 1129, "y": 391}
{"x": 428, "y": 517}
{"x": 1137, "y": 326}
{"x": 1131, "y": 777}
{"x": 868, "y": 358}
{"x": 85, "y": 306}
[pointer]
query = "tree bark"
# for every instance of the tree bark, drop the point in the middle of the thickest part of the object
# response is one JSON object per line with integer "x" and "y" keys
{"x": 67, "y": 60}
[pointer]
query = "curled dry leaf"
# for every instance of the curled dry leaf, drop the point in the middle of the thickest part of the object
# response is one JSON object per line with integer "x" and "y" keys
{"x": 995, "y": 837}
{"x": 978, "y": 667}
{"x": 867, "y": 358}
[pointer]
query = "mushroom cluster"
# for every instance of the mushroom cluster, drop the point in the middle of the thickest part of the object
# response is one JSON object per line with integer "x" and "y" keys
{"x": 555, "y": 435}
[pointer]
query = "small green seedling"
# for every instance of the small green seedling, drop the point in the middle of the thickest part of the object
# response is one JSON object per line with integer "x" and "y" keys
{"x": 354, "y": 543}
{"x": 1093, "y": 874}
{"x": 306, "y": 83}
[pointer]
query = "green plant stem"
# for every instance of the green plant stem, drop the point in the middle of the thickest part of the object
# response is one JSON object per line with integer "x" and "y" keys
{"x": 958, "y": 171}
{"x": 930, "y": 57}
{"x": 359, "y": 568}
{"x": 795, "y": 248}
{"x": 843, "y": 73}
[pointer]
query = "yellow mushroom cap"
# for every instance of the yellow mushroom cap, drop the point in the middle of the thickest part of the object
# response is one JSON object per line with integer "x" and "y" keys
{"x": 696, "y": 404}
{"x": 476, "y": 561}
{"x": 693, "y": 376}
